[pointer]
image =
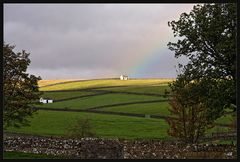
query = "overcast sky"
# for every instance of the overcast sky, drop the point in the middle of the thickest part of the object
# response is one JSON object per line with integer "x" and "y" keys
{"x": 84, "y": 41}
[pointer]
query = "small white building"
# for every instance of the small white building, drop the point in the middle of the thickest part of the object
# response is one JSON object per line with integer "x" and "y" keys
{"x": 123, "y": 77}
{"x": 42, "y": 100}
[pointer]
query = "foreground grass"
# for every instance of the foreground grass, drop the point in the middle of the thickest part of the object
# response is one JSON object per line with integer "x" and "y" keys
{"x": 229, "y": 142}
{"x": 106, "y": 83}
{"x": 51, "y": 123}
{"x": 21, "y": 155}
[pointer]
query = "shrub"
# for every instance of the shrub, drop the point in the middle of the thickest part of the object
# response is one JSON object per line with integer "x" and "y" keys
{"x": 81, "y": 128}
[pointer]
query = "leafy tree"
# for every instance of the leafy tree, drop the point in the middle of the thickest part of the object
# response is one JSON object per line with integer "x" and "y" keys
{"x": 20, "y": 90}
{"x": 207, "y": 36}
{"x": 81, "y": 128}
{"x": 209, "y": 39}
{"x": 189, "y": 116}
{"x": 206, "y": 86}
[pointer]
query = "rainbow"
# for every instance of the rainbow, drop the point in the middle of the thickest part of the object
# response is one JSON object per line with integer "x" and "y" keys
{"x": 146, "y": 61}
{"x": 149, "y": 55}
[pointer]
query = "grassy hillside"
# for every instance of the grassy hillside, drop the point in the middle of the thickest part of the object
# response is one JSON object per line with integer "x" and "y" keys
{"x": 100, "y": 100}
{"x": 49, "y": 82}
{"x": 107, "y": 126}
{"x": 52, "y": 123}
{"x": 109, "y": 98}
{"x": 149, "y": 89}
{"x": 158, "y": 108}
{"x": 63, "y": 95}
{"x": 105, "y": 83}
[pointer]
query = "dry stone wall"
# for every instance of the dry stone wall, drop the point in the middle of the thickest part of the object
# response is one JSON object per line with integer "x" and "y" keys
{"x": 95, "y": 148}
{"x": 177, "y": 150}
{"x": 87, "y": 148}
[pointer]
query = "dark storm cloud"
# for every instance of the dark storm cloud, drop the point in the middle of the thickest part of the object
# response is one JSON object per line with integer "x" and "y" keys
{"x": 88, "y": 41}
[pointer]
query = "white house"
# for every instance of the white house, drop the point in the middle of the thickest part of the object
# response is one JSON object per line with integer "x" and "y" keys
{"x": 123, "y": 77}
{"x": 49, "y": 101}
{"x": 45, "y": 100}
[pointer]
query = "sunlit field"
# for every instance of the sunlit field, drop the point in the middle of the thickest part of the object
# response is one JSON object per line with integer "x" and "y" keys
{"x": 49, "y": 82}
{"x": 128, "y": 109}
{"x": 106, "y": 83}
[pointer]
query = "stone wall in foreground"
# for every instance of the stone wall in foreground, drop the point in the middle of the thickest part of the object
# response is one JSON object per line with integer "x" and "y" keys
{"x": 95, "y": 148}
{"x": 87, "y": 148}
{"x": 177, "y": 150}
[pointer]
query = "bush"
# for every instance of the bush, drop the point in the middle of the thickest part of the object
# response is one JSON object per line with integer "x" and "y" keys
{"x": 189, "y": 118}
{"x": 81, "y": 128}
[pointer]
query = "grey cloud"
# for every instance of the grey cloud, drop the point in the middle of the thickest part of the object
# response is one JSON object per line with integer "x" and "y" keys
{"x": 92, "y": 40}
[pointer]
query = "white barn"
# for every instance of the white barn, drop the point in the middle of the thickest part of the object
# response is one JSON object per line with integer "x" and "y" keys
{"x": 124, "y": 77}
{"x": 42, "y": 100}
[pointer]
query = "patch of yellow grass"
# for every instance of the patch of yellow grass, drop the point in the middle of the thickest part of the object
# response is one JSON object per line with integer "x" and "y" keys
{"x": 48, "y": 82}
{"x": 106, "y": 83}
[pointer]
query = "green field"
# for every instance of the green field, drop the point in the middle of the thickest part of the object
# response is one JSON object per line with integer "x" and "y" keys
{"x": 159, "y": 108}
{"x": 63, "y": 95}
{"x": 149, "y": 89}
{"x": 100, "y": 100}
{"x": 51, "y": 123}
{"x": 107, "y": 96}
